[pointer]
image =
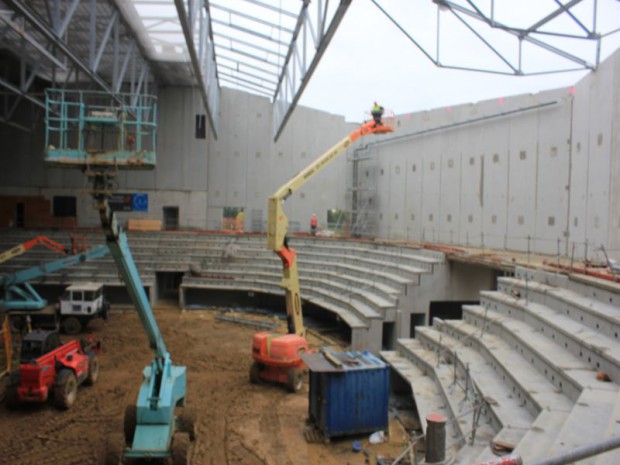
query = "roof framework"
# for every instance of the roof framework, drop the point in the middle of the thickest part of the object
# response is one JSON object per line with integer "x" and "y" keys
{"x": 568, "y": 33}
{"x": 267, "y": 47}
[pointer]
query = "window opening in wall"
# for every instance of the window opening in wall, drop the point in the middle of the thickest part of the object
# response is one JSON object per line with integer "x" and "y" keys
{"x": 168, "y": 284}
{"x": 520, "y": 220}
{"x": 416, "y": 319}
{"x": 493, "y": 219}
{"x": 553, "y": 151}
{"x": 20, "y": 214}
{"x": 201, "y": 128}
{"x": 448, "y": 309}
{"x": 64, "y": 206}
{"x": 495, "y": 158}
{"x": 387, "y": 341}
{"x": 551, "y": 220}
{"x": 450, "y": 163}
{"x": 413, "y": 168}
{"x": 171, "y": 217}
{"x": 522, "y": 154}
{"x": 338, "y": 221}
{"x": 233, "y": 218}
{"x": 470, "y": 218}
{"x": 472, "y": 160}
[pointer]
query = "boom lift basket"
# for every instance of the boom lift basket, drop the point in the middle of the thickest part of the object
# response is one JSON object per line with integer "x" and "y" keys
{"x": 90, "y": 128}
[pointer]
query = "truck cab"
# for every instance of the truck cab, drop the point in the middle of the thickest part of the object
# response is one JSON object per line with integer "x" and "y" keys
{"x": 81, "y": 302}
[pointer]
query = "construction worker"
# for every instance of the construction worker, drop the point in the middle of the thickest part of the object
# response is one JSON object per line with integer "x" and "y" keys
{"x": 314, "y": 221}
{"x": 377, "y": 113}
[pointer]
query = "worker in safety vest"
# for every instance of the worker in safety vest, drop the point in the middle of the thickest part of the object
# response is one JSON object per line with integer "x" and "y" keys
{"x": 314, "y": 221}
{"x": 377, "y": 113}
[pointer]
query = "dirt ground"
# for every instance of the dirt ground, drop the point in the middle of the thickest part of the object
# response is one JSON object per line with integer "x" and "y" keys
{"x": 238, "y": 423}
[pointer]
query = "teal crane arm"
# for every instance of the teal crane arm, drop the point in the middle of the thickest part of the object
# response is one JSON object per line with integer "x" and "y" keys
{"x": 16, "y": 297}
{"x": 163, "y": 385}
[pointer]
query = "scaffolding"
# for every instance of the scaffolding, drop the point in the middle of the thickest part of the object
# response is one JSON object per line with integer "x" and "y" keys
{"x": 91, "y": 128}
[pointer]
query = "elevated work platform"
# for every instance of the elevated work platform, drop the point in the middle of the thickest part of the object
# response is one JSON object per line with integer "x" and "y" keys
{"x": 93, "y": 129}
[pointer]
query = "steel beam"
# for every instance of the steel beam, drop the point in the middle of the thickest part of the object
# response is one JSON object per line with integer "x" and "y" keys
{"x": 287, "y": 88}
{"x": 203, "y": 64}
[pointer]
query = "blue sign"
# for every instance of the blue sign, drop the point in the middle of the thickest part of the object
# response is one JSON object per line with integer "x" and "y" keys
{"x": 140, "y": 202}
{"x": 129, "y": 202}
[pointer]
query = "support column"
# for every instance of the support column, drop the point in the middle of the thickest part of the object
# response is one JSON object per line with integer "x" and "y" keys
{"x": 435, "y": 438}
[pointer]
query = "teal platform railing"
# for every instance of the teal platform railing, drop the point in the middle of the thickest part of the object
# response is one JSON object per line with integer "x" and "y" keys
{"x": 90, "y": 128}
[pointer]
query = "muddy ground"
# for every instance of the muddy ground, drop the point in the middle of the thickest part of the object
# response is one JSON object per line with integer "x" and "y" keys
{"x": 238, "y": 423}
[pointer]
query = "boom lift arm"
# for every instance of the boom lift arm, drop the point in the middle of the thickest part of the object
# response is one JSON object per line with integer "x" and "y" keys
{"x": 25, "y": 297}
{"x": 277, "y": 221}
{"x": 21, "y": 248}
{"x": 277, "y": 357}
{"x": 151, "y": 424}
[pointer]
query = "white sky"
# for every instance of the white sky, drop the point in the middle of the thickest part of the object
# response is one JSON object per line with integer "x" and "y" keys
{"x": 370, "y": 59}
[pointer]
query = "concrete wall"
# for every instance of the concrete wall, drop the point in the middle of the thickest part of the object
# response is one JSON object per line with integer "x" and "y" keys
{"x": 246, "y": 166}
{"x": 531, "y": 172}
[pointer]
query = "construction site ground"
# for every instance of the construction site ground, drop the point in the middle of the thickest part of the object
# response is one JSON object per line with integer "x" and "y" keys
{"x": 238, "y": 423}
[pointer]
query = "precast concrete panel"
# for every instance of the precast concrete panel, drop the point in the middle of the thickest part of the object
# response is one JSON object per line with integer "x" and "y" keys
{"x": 242, "y": 107}
{"x": 599, "y": 159}
{"x": 521, "y": 180}
{"x": 450, "y": 206}
{"x": 613, "y": 242}
{"x": 579, "y": 159}
{"x": 396, "y": 177}
{"x": 414, "y": 188}
{"x": 260, "y": 150}
{"x": 552, "y": 176}
{"x": 431, "y": 170}
{"x": 494, "y": 184}
{"x": 181, "y": 158}
{"x": 471, "y": 186}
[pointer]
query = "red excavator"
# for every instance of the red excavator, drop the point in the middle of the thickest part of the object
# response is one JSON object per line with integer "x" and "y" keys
{"x": 276, "y": 356}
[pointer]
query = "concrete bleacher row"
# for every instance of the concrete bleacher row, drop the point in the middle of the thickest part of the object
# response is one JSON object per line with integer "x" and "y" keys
{"x": 358, "y": 281}
{"x": 545, "y": 360}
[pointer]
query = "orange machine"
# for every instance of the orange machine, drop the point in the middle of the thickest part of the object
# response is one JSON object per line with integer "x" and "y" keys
{"x": 276, "y": 356}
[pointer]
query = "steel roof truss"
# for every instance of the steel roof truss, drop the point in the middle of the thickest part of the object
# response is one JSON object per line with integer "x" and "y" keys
{"x": 290, "y": 84}
{"x": 202, "y": 57}
{"x": 246, "y": 30}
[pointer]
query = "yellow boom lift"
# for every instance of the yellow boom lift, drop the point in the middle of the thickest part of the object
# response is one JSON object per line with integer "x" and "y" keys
{"x": 276, "y": 356}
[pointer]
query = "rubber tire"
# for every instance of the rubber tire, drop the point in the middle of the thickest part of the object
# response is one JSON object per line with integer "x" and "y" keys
{"x": 11, "y": 398}
{"x": 130, "y": 420}
{"x": 187, "y": 423}
{"x": 93, "y": 370}
{"x": 17, "y": 324}
{"x": 65, "y": 389}
{"x": 180, "y": 449}
{"x": 255, "y": 373}
{"x": 113, "y": 451}
{"x": 71, "y": 325}
{"x": 295, "y": 380}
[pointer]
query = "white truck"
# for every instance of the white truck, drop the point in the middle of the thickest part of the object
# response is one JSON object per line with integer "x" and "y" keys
{"x": 79, "y": 304}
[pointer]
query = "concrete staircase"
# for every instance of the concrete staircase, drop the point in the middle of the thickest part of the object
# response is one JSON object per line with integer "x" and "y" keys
{"x": 530, "y": 358}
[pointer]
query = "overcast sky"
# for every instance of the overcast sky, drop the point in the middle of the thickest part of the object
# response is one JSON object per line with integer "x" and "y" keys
{"x": 370, "y": 59}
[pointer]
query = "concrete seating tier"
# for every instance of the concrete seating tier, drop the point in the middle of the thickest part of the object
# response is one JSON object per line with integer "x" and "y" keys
{"x": 359, "y": 282}
{"x": 599, "y": 351}
{"x": 535, "y": 353}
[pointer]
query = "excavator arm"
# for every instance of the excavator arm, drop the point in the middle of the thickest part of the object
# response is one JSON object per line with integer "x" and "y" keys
{"x": 277, "y": 221}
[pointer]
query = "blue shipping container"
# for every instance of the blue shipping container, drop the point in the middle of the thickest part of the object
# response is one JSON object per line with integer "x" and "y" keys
{"x": 348, "y": 395}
